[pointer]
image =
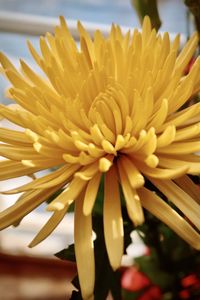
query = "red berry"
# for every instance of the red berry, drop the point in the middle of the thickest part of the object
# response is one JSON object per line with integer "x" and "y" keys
{"x": 189, "y": 280}
{"x": 153, "y": 293}
{"x": 184, "y": 294}
{"x": 133, "y": 280}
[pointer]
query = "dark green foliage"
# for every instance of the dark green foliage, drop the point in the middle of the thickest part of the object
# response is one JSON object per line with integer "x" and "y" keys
{"x": 169, "y": 261}
{"x": 67, "y": 254}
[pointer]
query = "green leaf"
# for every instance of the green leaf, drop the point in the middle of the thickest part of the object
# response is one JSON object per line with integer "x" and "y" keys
{"x": 105, "y": 278}
{"x": 54, "y": 195}
{"x": 150, "y": 8}
{"x": 75, "y": 282}
{"x": 98, "y": 206}
{"x": 128, "y": 295}
{"x": 76, "y": 295}
{"x": 150, "y": 267}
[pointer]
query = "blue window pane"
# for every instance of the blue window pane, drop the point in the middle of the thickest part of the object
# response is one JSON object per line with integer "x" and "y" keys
{"x": 173, "y": 12}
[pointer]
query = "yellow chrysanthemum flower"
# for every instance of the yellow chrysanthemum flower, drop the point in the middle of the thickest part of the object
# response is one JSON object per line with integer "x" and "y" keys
{"x": 112, "y": 107}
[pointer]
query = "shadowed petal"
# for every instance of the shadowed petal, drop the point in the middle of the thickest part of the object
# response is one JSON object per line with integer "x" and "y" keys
{"x": 169, "y": 216}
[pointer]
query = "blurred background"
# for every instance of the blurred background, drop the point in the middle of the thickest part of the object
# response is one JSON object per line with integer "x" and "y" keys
{"x": 34, "y": 273}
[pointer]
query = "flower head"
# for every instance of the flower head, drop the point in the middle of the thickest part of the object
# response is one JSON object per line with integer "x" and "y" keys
{"x": 114, "y": 106}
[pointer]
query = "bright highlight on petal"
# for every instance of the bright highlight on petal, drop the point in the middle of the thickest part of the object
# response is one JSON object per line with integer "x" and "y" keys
{"x": 114, "y": 109}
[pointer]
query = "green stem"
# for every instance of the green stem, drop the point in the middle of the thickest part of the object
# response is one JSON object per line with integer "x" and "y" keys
{"x": 156, "y": 244}
{"x": 150, "y": 8}
{"x": 105, "y": 278}
{"x": 194, "y": 7}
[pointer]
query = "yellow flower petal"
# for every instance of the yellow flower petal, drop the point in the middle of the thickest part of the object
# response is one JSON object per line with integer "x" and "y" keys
{"x": 180, "y": 198}
{"x": 91, "y": 193}
{"x": 6, "y": 63}
{"x": 42, "y": 164}
{"x": 189, "y": 187}
{"x": 105, "y": 163}
{"x": 159, "y": 116}
{"x": 167, "y": 137}
{"x": 53, "y": 179}
{"x": 47, "y": 151}
{"x": 180, "y": 118}
{"x": 180, "y": 148}
{"x": 26, "y": 203}
{"x": 132, "y": 200}
{"x": 14, "y": 137}
{"x": 113, "y": 225}
{"x": 68, "y": 195}
{"x": 88, "y": 172}
{"x": 188, "y": 132}
{"x": 18, "y": 153}
{"x": 134, "y": 176}
{"x": 170, "y": 217}
{"x": 187, "y": 52}
{"x": 162, "y": 173}
{"x": 49, "y": 227}
{"x": 179, "y": 161}
{"x": 11, "y": 169}
{"x": 84, "y": 249}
